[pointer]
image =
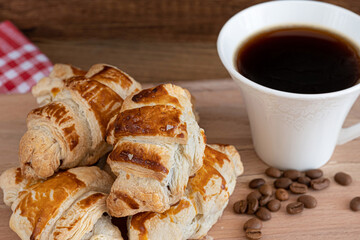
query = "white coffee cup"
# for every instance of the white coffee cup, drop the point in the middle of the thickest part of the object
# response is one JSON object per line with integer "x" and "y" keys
{"x": 290, "y": 130}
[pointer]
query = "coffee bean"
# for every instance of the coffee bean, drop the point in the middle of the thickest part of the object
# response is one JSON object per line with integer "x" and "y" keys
{"x": 273, "y": 172}
{"x": 355, "y": 204}
{"x": 264, "y": 200}
{"x": 257, "y": 182}
{"x": 320, "y": 183}
{"x": 255, "y": 194}
{"x": 264, "y": 214}
{"x": 282, "y": 183}
{"x": 298, "y": 188}
{"x": 253, "y": 223}
{"x": 274, "y": 205}
{"x": 314, "y": 173}
{"x": 304, "y": 180}
{"x": 308, "y": 201}
{"x": 253, "y": 233}
{"x": 265, "y": 190}
{"x": 240, "y": 206}
{"x": 295, "y": 207}
{"x": 292, "y": 174}
{"x": 343, "y": 178}
{"x": 281, "y": 194}
{"x": 252, "y": 206}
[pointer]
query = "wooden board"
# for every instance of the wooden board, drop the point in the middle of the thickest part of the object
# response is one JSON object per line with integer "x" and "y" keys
{"x": 175, "y": 20}
{"x": 177, "y": 37}
{"x": 224, "y": 119}
{"x": 145, "y": 61}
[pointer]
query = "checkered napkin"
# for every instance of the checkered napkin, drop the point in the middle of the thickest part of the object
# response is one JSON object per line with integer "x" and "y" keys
{"x": 21, "y": 62}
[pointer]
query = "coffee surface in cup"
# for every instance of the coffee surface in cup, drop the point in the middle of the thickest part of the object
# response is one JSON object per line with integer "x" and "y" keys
{"x": 300, "y": 60}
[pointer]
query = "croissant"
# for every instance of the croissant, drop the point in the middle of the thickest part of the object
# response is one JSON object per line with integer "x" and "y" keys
{"x": 69, "y": 205}
{"x": 48, "y": 87}
{"x": 206, "y": 197}
{"x": 157, "y": 146}
{"x": 70, "y": 130}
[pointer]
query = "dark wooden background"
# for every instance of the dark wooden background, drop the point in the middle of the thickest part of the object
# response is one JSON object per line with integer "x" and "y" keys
{"x": 153, "y": 40}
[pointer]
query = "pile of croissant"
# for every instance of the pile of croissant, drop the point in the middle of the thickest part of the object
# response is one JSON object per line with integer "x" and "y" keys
{"x": 159, "y": 171}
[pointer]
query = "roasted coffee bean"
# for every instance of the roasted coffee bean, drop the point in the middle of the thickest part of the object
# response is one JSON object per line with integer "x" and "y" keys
{"x": 240, "y": 206}
{"x": 298, "y": 188}
{"x": 273, "y": 172}
{"x": 274, "y": 205}
{"x": 308, "y": 201}
{"x": 253, "y": 233}
{"x": 343, "y": 178}
{"x": 265, "y": 190}
{"x": 314, "y": 173}
{"x": 320, "y": 183}
{"x": 282, "y": 182}
{"x": 263, "y": 213}
{"x": 304, "y": 180}
{"x": 264, "y": 200}
{"x": 292, "y": 174}
{"x": 295, "y": 207}
{"x": 355, "y": 204}
{"x": 253, "y": 205}
{"x": 281, "y": 194}
{"x": 253, "y": 223}
{"x": 255, "y": 194}
{"x": 256, "y": 183}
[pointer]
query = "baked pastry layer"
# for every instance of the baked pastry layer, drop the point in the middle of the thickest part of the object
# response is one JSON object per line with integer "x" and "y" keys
{"x": 70, "y": 129}
{"x": 205, "y": 199}
{"x": 157, "y": 145}
{"x": 69, "y": 205}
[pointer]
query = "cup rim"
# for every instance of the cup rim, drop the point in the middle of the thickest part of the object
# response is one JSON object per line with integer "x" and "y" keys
{"x": 231, "y": 69}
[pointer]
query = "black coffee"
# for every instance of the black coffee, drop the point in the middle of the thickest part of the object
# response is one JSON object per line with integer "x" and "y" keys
{"x": 300, "y": 60}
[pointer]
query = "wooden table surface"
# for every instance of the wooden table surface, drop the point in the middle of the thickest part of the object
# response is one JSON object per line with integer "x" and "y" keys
{"x": 224, "y": 118}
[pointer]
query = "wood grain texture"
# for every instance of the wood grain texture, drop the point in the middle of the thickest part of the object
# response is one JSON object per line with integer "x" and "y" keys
{"x": 155, "y": 41}
{"x": 145, "y": 61}
{"x": 223, "y": 116}
{"x": 175, "y": 20}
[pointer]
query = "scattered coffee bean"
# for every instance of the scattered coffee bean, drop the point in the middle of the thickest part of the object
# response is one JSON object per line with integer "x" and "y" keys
{"x": 240, "y": 206}
{"x": 292, "y": 174}
{"x": 314, "y": 173}
{"x": 252, "y": 206}
{"x": 264, "y": 200}
{"x": 298, "y": 188}
{"x": 282, "y": 182}
{"x": 253, "y": 233}
{"x": 355, "y": 204}
{"x": 281, "y": 194}
{"x": 295, "y": 207}
{"x": 304, "y": 180}
{"x": 265, "y": 190}
{"x": 256, "y": 183}
{"x": 308, "y": 201}
{"x": 264, "y": 214}
{"x": 343, "y": 178}
{"x": 273, "y": 172}
{"x": 253, "y": 223}
{"x": 255, "y": 194}
{"x": 320, "y": 183}
{"x": 274, "y": 205}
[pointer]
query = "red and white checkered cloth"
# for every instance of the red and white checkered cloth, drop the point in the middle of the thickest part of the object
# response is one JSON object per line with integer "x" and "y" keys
{"x": 21, "y": 62}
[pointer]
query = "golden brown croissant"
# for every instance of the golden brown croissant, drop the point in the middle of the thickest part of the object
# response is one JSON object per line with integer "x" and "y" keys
{"x": 70, "y": 130}
{"x": 69, "y": 205}
{"x": 206, "y": 197}
{"x": 157, "y": 146}
{"x": 48, "y": 87}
